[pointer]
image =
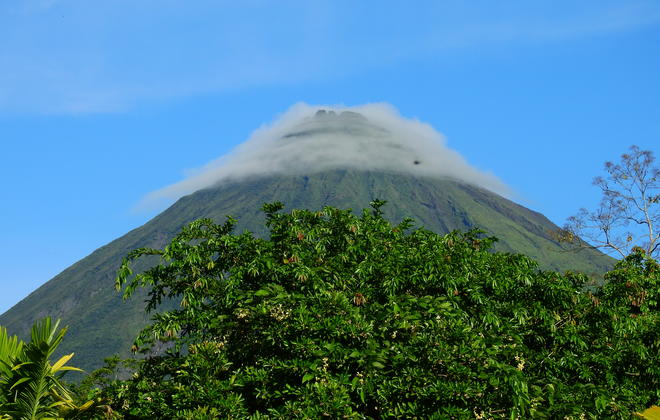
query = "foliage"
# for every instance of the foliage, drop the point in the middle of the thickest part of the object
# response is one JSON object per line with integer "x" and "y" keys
{"x": 91, "y": 387}
{"x": 629, "y": 212}
{"x": 345, "y": 316}
{"x": 30, "y": 386}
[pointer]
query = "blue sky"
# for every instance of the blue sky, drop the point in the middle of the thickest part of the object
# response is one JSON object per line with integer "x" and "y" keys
{"x": 102, "y": 103}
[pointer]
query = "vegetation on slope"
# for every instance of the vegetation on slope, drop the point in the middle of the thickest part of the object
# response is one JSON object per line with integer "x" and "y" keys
{"x": 345, "y": 316}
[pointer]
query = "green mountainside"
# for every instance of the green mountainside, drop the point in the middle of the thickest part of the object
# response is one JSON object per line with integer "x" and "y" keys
{"x": 101, "y": 324}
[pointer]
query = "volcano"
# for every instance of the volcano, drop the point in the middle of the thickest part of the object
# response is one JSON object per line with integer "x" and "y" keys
{"x": 408, "y": 178}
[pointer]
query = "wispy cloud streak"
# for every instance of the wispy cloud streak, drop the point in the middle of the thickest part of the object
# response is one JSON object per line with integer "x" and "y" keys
{"x": 77, "y": 56}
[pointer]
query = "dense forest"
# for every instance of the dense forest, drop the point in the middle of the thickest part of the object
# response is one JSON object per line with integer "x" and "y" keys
{"x": 338, "y": 315}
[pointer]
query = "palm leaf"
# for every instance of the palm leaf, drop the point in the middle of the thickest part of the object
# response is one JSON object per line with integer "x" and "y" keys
{"x": 59, "y": 365}
{"x": 29, "y": 385}
{"x": 10, "y": 349}
{"x": 652, "y": 413}
{"x": 17, "y": 383}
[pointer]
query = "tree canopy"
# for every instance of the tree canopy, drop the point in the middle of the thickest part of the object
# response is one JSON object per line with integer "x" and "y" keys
{"x": 344, "y": 316}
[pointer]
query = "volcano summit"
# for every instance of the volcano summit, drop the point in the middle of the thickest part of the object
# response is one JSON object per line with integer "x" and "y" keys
{"x": 307, "y": 140}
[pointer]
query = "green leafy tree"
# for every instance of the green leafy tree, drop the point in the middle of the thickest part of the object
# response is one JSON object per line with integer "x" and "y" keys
{"x": 30, "y": 386}
{"x": 344, "y": 316}
{"x": 93, "y": 385}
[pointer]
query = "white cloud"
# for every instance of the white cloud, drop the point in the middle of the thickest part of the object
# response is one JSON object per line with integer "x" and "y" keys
{"x": 308, "y": 139}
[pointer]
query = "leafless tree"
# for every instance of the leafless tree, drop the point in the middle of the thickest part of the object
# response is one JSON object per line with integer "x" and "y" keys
{"x": 628, "y": 216}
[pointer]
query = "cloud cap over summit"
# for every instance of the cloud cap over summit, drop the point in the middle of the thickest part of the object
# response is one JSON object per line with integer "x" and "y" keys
{"x": 308, "y": 139}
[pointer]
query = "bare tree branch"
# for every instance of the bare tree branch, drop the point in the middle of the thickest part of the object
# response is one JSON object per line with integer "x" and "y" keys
{"x": 628, "y": 214}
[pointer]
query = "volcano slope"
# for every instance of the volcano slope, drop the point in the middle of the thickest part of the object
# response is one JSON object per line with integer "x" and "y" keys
{"x": 101, "y": 324}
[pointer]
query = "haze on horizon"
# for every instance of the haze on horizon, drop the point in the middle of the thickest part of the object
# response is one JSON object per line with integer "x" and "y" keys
{"x": 312, "y": 138}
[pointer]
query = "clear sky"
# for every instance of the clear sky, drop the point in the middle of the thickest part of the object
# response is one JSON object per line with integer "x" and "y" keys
{"x": 103, "y": 102}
